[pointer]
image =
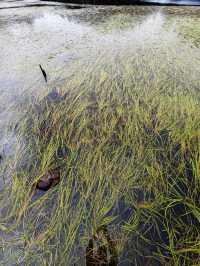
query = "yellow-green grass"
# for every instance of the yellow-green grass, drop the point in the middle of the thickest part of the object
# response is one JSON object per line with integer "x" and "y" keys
{"x": 126, "y": 141}
{"x": 190, "y": 30}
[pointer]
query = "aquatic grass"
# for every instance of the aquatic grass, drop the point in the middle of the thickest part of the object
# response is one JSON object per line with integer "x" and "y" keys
{"x": 190, "y": 31}
{"x": 125, "y": 138}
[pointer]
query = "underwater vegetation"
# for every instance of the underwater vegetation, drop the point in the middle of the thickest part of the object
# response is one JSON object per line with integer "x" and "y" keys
{"x": 106, "y": 169}
{"x": 191, "y": 31}
{"x": 120, "y": 153}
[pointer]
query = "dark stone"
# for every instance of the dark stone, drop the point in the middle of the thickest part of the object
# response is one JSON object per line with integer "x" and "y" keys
{"x": 49, "y": 180}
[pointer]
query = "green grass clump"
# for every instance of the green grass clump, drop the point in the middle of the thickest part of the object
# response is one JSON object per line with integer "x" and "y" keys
{"x": 126, "y": 142}
{"x": 191, "y": 31}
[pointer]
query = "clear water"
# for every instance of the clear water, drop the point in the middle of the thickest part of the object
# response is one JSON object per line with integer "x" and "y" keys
{"x": 61, "y": 39}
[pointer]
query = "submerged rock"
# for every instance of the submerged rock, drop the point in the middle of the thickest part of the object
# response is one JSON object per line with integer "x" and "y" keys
{"x": 48, "y": 180}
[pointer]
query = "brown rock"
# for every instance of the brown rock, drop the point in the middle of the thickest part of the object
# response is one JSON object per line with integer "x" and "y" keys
{"x": 48, "y": 180}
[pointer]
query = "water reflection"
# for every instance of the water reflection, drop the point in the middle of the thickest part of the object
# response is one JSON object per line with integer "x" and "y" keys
{"x": 150, "y": 28}
{"x": 58, "y": 38}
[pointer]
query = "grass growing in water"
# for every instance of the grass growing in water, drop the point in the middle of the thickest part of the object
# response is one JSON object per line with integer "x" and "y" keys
{"x": 191, "y": 31}
{"x": 126, "y": 141}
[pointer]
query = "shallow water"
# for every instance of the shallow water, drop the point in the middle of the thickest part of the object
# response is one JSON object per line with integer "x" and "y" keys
{"x": 63, "y": 40}
{"x": 56, "y": 37}
{"x": 66, "y": 38}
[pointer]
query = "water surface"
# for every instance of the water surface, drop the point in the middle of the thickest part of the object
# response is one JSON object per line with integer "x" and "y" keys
{"x": 64, "y": 40}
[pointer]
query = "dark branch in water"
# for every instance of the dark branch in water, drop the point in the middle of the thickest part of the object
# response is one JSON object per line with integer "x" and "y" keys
{"x": 43, "y": 73}
{"x": 100, "y": 257}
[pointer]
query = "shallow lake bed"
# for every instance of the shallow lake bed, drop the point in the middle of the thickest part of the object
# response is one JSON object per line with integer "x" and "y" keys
{"x": 129, "y": 81}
